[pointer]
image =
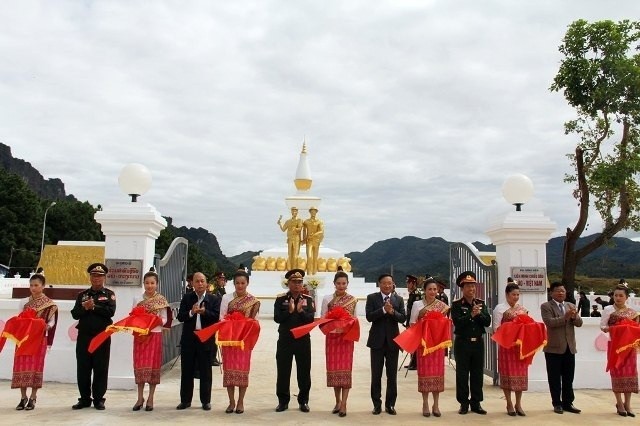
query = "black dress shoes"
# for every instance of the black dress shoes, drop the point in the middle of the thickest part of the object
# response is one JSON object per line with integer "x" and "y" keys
{"x": 464, "y": 409}
{"x": 376, "y": 410}
{"x": 558, "y": 409}
{"x": 572, "y": 409}
{"x": 479, "y": 410}
{"x": 390, "y": 410}
{"x": 304, "y": 408}
{"x": 80, "y": 405}
{"x": 183, "y": 405}
{"x": 206, "y": 407}
{"x": 99, "y": 405}
{"x": 282, "y": 407}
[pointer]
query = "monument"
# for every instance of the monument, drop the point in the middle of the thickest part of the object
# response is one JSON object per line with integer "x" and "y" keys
{"x": 320, "y": 262}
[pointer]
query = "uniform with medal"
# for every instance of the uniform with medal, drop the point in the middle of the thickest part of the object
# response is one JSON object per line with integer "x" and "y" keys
{"x": 470, "y": 316}
{"x": 93, "y": 309}
{"x": 288, "y": 316}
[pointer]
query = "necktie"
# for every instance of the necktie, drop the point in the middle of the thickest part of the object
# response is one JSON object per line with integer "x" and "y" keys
{"x": 561, "y": 305}
{"x": 198, "y": 323}
{"x": 386, "y": 299}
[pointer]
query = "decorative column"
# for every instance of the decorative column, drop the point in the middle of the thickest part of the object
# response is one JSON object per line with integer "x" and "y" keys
{"x": 130, "y": 230}
{"x": 521, "y": 241}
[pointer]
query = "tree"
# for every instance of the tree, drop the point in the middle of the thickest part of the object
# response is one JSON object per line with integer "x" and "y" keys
{"x": 20, "y": 223}
{"x": 600, "y": 77}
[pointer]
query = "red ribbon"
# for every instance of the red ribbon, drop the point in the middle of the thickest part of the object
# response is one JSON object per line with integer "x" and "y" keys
{"x": 234, "y": 330}
{"x": 625, "y": 335}
{"x": 26, "y": 330}
{"x": 432, "y": 332}
{"x": 336, "y": 319}
{"x": 525, "y": 332}
{"x": 139, "y": 323}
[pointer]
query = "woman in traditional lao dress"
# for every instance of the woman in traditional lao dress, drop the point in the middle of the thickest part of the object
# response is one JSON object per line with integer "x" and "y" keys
{"x": 624, "y": 377}
{"x": 147, "y": 350}
{"x": 27, "y": 369}
{"x": 339, "y": 351}
{"x": 236, "y": 360}
{"x": 514, "y": 372}
{"x": 431, "y": 365}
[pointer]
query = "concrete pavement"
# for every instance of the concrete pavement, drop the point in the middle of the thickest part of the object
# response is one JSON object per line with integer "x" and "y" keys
{"x": 55, "y": 399}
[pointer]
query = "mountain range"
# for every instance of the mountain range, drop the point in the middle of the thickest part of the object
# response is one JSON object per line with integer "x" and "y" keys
{"x": 407, "y": 255}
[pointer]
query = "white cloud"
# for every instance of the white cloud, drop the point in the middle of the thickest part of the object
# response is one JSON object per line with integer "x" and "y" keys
{"x": 414, "y": 111}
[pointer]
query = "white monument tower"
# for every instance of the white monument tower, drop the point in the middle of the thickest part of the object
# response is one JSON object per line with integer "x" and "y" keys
{"x": 268, "y": 269}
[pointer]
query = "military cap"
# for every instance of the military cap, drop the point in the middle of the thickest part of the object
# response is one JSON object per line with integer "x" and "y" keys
{"x": 313, "y": 208}
{"x": 98, "y": 269}
{"x": 412, "y": 278}
{"x": 295, "y": 275}
{"x": 466, "y": 277}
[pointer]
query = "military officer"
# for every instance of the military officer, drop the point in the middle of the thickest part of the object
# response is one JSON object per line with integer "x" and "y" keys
{"x": 93, "y": 309}
{"x": 470, "y": 316}
{"x": 291, "y": 310}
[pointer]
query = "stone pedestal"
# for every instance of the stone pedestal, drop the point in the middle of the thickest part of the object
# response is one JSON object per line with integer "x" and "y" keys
{"x": 130, "y": 230}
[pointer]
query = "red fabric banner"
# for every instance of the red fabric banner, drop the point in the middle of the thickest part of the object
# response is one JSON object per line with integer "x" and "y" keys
{"x": 234, "y": 330}
{"x": 336, "y": 318}
{"x": 524, "y": 332}
{"x": 139, "y": 323}
{"x": 26, "y": 330}
{"x": 432, "y": 332}
{"x": 625, "y": 335}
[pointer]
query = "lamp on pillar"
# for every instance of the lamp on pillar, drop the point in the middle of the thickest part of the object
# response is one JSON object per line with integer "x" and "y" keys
{"x": 517, "y": 190}
{"x": 134, "y": 180}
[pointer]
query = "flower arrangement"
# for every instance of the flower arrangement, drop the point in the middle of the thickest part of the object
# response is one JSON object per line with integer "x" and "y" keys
{"x": 312, "y": 283}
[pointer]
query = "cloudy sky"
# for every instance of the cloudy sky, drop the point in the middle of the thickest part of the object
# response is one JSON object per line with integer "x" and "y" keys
{"x": 414, "y": 112}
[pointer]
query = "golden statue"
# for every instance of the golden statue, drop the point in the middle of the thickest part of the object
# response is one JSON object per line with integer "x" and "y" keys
{"x": 312, "y": 235}
{"x": 293, "y": 227}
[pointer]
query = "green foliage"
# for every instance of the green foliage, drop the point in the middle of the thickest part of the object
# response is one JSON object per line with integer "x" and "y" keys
{"x": 600, "y": 77}
{"x": 71, "y": 220}
{"x": 21, "y": 221}
{"x": 22, "y": 215}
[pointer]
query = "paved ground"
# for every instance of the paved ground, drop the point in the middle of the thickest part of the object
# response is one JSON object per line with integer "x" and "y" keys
{"x": 55, "y": 399}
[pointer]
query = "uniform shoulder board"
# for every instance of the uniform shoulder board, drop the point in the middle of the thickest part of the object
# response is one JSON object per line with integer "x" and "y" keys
{"x": 281, "y": 295}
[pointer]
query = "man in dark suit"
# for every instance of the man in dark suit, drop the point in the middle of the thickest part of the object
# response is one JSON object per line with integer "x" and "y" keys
{"x": 470, "y": 316}
{"x": 290, "y": 310}
{"x": 561, "y": 318}
{"x": 198, "y": 309}
{"x": 384, "y": 310}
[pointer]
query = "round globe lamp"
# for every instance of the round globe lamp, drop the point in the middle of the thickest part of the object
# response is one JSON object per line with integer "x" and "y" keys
{"x": 517, "y": 190}
{"x": 134, "y": 180}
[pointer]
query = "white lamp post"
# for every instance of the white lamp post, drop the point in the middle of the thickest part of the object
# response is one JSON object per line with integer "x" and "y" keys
{"x": 134, "y": 180}
{"x": 44, "y": 225}
{"x": 517, "y": 190}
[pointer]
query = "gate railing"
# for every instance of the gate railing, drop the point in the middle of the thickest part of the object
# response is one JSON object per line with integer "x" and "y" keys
{"x": 463, "y": 257}
{"x": 172, "y": 273}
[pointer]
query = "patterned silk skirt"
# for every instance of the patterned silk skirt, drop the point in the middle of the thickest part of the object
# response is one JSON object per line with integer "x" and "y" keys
{"x": 147, "y": 358}
{"x": 27, "y": 369}
{"x": 514, "y": 373}
{"x": 625, "y": 378}
{"x": 339, "y": 354}
{"x": 430, "y": 371}
{"x": 236, "y": 365}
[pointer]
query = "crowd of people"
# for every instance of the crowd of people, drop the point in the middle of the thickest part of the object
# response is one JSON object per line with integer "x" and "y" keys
{"x": 213, "y": 315}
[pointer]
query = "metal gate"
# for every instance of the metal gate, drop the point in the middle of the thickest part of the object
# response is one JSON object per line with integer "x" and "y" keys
{"x": 464, "y": 257}
{"x": 172, "y": 272}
